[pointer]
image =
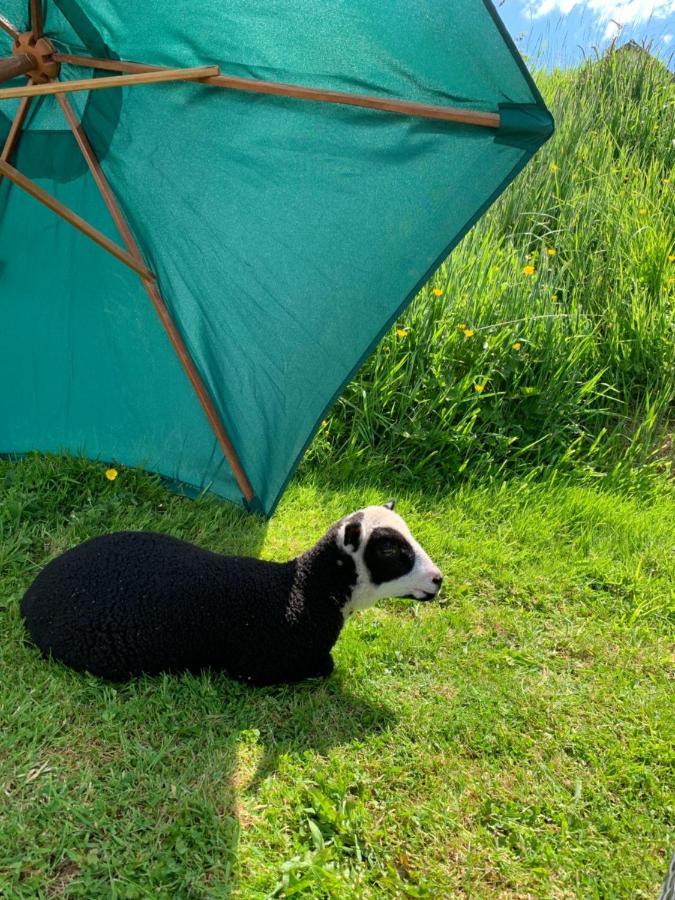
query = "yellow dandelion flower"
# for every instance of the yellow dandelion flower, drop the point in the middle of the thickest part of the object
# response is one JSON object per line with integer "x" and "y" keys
{"x": 528, "y": 270}
{"x": 401, "y": 332}
{"x": 671, "y": 257}
{"x": 551, "y": 251}
{"x": 479, "y": 388}
{"x": 438, "y": 292}
{"x": 461, "y": 326}
{"x": 111, "y": 474}
{"x": 554, "y": 167}
{"x": 468, "y": 333}
{"x": 517, "y": 345}
{"x": 642, "y": 211}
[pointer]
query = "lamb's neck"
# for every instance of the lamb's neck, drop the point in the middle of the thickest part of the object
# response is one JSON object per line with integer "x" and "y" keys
{"x": 325, "y": 575}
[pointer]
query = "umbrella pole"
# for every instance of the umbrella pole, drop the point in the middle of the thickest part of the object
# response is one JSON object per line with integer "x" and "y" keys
{"x": 157, "y": 300}
{"x": 13, "y": 66}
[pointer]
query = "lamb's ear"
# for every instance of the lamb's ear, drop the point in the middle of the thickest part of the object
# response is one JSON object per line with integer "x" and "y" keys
{"x": 352, "y": 534}
{"x": 390, "y": 504}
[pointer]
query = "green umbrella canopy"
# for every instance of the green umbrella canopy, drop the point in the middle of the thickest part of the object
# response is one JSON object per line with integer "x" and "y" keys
{"x": 278, "y": 213}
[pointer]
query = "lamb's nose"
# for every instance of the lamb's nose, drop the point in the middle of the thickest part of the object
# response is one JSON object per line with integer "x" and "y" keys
{"x": 438, "y": 579}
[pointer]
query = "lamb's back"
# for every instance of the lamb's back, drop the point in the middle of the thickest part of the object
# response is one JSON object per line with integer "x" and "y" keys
{"x": 133, "y": 602}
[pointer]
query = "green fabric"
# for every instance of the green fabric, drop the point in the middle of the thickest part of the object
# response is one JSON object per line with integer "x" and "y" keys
{"x": 286, "y": 235}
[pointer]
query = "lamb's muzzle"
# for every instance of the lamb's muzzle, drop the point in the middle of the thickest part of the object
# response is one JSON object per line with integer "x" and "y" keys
{"x": 133, "y": 602}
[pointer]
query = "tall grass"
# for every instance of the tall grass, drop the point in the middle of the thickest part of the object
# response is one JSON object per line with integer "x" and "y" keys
{"x": 546, "y": 340}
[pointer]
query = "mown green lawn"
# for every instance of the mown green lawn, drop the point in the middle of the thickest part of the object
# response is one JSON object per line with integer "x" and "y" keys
{"x": 513, "y": 740}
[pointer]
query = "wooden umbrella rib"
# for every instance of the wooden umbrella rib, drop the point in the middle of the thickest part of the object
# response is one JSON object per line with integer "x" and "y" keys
{"x": 15, "y": 130}
{"x": 8, "y": 28}
{"x": 300, "y": 92}
{"x": 36, "y": 19}
{"x": 200, "y": 390}
{"x": 99, "y": 177}
{"x": 397, "y": 107}
{"x": 98, "y": 84}
{"x": 72, "y": 218}
{"x": 105, "y": 65}
{"x": 157, "y": 300}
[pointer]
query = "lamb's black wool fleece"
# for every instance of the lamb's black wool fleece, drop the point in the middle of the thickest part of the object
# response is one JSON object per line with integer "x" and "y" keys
{"x": 136, "y": 602}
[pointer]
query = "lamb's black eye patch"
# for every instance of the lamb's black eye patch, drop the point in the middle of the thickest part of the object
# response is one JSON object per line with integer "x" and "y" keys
{"x": 388, "y": 555}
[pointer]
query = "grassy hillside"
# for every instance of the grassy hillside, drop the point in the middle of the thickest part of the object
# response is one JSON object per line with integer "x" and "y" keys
{"x": 547, "y": 339}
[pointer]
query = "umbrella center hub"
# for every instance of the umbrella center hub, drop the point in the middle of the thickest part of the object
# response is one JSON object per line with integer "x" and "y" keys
{"x": 41, "y": 53}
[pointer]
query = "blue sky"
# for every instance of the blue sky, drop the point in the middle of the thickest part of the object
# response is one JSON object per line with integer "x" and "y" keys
{"x": 559, "y": 32}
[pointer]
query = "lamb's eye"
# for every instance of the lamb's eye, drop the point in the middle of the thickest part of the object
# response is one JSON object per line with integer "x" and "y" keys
{"x": 388, "y": 556}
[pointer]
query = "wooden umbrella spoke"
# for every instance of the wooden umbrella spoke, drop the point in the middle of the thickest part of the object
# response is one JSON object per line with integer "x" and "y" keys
{"x": 157, "y": 300}
{"x": 98, "y": 175}
{"x": 15, "y": 131}
{"x": 36, "y": 19}
{"x": 98, "y": 84}
{"x": 73, "y": 219}
{"x": 300, "y": 92}
{"x": 106, "y": 65}
{"x": 8, "y": 28}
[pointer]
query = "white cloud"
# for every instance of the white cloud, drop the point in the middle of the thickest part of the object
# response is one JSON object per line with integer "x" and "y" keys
{"x": 612, "y": 31}
{"x": 614, "y": 14}
{"x": 667, "y": 38}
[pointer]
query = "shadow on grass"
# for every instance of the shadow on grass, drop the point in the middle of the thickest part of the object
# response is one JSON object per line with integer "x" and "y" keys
{"x": 176, "y": 767}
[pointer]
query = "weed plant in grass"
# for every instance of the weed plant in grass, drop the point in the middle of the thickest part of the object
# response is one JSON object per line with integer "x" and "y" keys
{"x": 514, "y": 739}
{"x": 547, "y": 338}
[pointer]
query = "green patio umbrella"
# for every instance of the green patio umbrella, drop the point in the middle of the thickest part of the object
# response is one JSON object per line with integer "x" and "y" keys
{"x": 212, "y": 210}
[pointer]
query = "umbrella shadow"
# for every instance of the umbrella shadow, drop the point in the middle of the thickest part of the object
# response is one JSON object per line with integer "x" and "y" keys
{"x": 313, "y": 717}
{"x": 212, "y": 744}
{"x": 285, "y": 724}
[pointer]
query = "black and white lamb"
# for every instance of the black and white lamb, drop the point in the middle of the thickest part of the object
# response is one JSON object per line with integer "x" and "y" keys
{"x": 136, "y": 602}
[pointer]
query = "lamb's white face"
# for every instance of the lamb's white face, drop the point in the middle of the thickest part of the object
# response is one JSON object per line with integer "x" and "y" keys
{"x": 389, "y": 561}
